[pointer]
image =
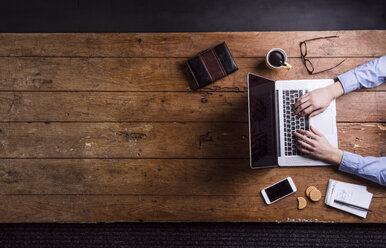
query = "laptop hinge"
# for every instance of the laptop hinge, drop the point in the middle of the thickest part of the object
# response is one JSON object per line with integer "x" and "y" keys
{"x": 277, "y": 124}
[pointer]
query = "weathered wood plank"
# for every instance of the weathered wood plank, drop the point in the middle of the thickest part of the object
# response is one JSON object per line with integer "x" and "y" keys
{"x": 157, "y": 140}
{"x": 107, "y": 208}
{"x": 231, "y": 177}
{"x": 128, "y": 106}
{"x": 242, "y": 44}
{"x": 355, "y": 105}
{"x": 162, "y": 106}
{"x": 144, "y": 74}
{"x": 145, "y": 81}
{"x": 350, "y": 139}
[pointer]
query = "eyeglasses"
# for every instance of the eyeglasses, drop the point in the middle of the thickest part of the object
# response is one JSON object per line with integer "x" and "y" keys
{"x": 307, "y": 63}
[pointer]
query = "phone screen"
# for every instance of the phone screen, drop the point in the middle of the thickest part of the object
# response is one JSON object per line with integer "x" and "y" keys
{"x": 278, "y": 190}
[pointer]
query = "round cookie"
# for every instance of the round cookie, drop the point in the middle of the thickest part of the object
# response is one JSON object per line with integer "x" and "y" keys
{"x": 315, "y": 195}
{"x": 302, "y": 203}
{"x": 309, "y": 189}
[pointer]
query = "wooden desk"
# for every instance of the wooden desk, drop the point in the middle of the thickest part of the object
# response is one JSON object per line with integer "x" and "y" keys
{"x": 104, "y": 127}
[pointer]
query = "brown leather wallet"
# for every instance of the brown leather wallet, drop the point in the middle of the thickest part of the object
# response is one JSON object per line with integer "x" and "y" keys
{"x": 212, "y": 65}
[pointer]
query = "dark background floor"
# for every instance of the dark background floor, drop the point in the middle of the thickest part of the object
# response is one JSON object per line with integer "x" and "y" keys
{"x": 189, "y": 15}
{"x": 192, "y": 235}
{"x": 18, "y": 16}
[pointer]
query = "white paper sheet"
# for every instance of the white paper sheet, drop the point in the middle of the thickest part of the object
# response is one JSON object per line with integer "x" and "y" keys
{"x": 350, "y": 193}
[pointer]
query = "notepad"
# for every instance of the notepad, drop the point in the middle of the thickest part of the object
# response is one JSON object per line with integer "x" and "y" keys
{"x": 351, "y": 193}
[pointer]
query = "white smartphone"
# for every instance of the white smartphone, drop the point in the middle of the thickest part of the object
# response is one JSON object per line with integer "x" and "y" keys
{"x": 279, "y": 190}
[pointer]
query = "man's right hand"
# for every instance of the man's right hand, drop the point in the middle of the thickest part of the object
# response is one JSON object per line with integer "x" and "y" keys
{"x": 316, "y": 144}
{"x": 316, "y": 101}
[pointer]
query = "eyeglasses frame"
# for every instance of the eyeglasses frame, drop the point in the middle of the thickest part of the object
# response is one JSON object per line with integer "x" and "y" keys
{"x": 305, "y": 60}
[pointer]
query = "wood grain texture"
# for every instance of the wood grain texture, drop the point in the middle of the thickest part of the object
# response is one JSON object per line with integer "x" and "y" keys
{"x": 350, "y": 140}
{"x": 107, "y": 208}
{"x": 162, "y": 106}
{"x": 145, "y": 74}
{"x": 104, "y": 127}
{"x": 157, "y": 140}
{"x": 230, "y": 177}
{"x": 128, "y": 106}
{"x": 362, "y": 106}
{"x": 366, "y": 43}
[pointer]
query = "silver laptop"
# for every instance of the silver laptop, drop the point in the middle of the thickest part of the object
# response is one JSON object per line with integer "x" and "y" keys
{"x": 272, "y": 123}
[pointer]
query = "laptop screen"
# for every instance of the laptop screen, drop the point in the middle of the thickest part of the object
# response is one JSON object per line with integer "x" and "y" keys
{"x": 262, "y": 121}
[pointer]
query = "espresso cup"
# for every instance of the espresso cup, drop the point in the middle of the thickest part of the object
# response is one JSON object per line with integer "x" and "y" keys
{"x": 277, "y": 59}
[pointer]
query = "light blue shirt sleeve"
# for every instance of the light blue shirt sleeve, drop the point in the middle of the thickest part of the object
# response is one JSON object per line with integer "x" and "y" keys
{"x": 371, "y": 168}
{"x": 367, "y": 75}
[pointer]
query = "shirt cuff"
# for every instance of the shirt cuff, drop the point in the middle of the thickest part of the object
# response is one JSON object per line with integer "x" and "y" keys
{"x": 349, "y": 81}
{"x": 349, "y": 163}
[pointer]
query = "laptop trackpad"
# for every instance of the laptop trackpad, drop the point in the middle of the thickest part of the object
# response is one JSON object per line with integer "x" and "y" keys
{"x": 323, "y": 122}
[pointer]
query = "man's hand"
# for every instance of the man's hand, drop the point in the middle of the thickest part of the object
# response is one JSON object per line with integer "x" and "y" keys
{"x": 316, "y": 101}
{"x": 315, "y": 144}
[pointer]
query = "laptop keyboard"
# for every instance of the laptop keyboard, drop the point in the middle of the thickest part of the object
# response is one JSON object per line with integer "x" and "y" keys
{"x": 291, "y": 122}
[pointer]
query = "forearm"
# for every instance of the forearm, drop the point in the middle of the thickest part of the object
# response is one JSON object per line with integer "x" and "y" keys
{"x": 336, "y": 156}
{"x": 367, "y": 75}
{"x": 335, "y": 90}
{"x": 371, "y": 168}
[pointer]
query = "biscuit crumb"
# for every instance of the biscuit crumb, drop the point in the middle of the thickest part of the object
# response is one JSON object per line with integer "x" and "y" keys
{"x": 302, "y": 203}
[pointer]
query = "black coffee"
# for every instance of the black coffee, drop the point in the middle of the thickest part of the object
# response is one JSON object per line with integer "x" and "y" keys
{"x": 276, "y": 58}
